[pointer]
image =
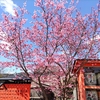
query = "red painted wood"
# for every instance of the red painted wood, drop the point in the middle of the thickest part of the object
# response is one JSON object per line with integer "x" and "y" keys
{"x": 78, "y": 67}
{"x": 86, "y": 63}
{"x": 15, "y": 92}
{"x": 92, "y": 87}
{"x": 81, "y": 85}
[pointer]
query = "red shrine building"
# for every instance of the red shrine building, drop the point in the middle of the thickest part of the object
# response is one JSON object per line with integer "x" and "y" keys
{"x": 88, "y": 79}
{"x": 14, "y": 89}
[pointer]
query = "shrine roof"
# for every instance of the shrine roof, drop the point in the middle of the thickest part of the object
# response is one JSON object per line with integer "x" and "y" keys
{"x": 79, "y": 63}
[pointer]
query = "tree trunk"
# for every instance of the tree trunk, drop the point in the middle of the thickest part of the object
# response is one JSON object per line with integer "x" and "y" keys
{"x": 42, "y": 89}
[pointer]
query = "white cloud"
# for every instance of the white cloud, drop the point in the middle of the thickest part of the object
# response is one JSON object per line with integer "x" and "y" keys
{"x": 3, "y": 42}
{"x": 97, "y": 37}
{"x": 5, "y": 45}
{"x": 8, "y": 6}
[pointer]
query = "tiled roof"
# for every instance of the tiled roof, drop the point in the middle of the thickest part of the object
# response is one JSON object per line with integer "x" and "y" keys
{"x": 14, "y": 78}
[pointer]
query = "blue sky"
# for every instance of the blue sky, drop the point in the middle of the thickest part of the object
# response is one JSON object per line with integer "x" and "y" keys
{"x": 8, "y": 6}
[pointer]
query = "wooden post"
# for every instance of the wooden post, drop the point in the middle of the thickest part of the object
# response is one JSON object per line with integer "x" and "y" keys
{"x": 81, "y": 85}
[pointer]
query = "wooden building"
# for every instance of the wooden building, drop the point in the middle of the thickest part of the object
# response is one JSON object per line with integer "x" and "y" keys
{"x": 88, "y": 78}
{"x": 14, "y": 89}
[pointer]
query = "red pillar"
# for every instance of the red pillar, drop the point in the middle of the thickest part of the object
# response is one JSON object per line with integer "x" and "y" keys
{"x": 81, "y": 85}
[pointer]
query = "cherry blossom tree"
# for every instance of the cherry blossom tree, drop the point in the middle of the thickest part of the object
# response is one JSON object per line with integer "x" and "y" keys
{"x": 46, "y": 51}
